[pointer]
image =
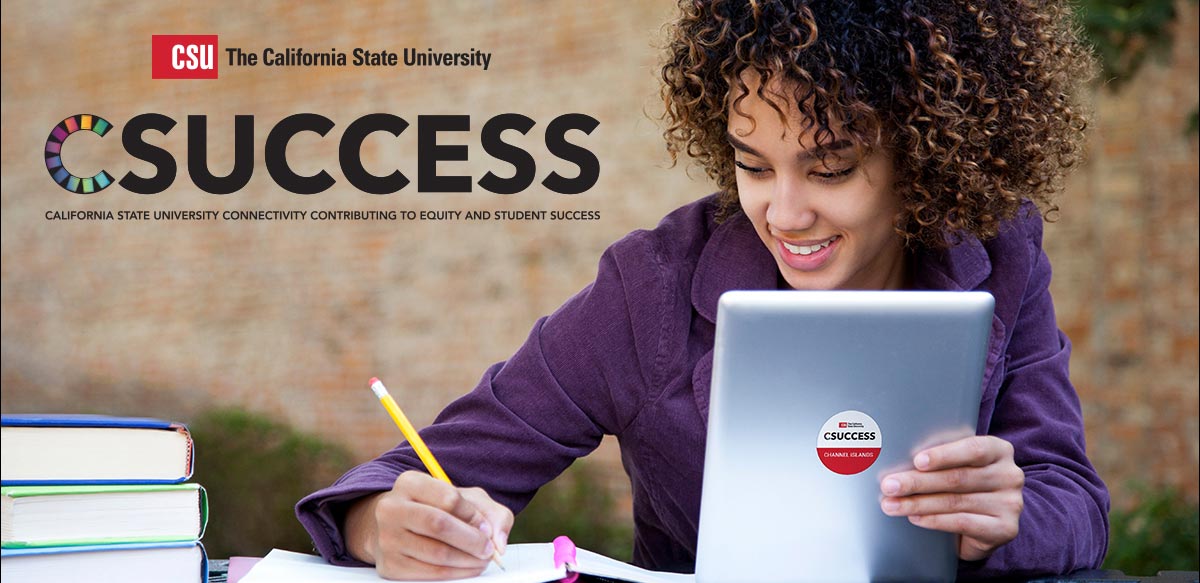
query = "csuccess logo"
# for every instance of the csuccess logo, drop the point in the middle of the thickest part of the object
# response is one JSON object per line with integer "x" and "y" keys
{"x": 139, "y": 145}
{"x": 184, "y": 56}
{"x": 849, "y": 442}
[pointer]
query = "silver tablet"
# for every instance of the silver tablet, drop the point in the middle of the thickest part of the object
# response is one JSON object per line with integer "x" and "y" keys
{"x": 816, "y": 396}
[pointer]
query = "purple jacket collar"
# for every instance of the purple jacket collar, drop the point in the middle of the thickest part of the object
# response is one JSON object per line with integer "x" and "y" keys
{"x": 733, "y": 258}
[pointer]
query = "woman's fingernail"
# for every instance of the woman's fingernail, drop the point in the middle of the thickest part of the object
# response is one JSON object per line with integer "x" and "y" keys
{"x": 921, "y": 461}
{"x": 890, "y": 506}
{"x": 503, "y": 542}
{"x": 891, "y": 486}
{"x": 486, "y": 527}
{"x": 488, "y": 550}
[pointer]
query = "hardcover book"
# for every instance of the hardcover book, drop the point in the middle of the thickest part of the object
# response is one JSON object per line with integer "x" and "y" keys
{"x": 174, "y": 562}
{"x": 43, "y": 516}
{"x": 92, "y": 449}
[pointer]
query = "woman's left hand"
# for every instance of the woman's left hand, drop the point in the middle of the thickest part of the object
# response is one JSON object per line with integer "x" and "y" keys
{"x": 971, "y": 487}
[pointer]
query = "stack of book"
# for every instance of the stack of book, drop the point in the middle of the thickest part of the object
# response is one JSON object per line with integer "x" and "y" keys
{"x": 97, "y": 498}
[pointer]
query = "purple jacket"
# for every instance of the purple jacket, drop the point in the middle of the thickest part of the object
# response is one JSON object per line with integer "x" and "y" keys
{"x": 631, "y": 355}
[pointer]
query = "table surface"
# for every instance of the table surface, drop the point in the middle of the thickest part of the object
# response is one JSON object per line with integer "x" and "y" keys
{"x": 217, "y": 569}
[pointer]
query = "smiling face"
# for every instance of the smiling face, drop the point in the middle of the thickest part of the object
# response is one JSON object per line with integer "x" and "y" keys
{"x": 827, "y": 217}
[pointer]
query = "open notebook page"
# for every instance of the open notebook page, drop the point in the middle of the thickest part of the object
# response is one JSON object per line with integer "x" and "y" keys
{"x": 526, "y": 563}
{"x": 597, "y": 564}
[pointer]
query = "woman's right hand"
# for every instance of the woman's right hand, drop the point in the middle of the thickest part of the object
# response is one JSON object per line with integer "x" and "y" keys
{"x": 424, "y": 528}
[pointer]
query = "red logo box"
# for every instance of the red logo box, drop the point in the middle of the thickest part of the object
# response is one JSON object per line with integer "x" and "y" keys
{"x": 184, "y": 56}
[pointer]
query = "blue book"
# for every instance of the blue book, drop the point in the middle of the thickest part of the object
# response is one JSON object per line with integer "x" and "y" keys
{"x": 177, "y": 562}
{"x": 93, "y": 449}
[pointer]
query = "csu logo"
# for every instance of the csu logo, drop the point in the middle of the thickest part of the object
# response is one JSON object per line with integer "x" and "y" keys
{"x": 184, "y": 56}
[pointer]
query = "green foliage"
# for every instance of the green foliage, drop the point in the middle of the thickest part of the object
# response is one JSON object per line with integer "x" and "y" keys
{"x": 1159, "y": 534}
{"x": 1125, "y": 32}
{"x": 580, "y": 505}
{"x": 255, "y": 470}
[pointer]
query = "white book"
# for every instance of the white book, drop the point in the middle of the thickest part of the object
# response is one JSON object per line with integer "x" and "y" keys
{"x": 92, "y": 449}
{"x": 72, "y": 515}
{"x": 182, "y": 562}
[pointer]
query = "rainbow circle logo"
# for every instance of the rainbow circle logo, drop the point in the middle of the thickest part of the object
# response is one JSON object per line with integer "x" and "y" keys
{"x": 54, "y": 163}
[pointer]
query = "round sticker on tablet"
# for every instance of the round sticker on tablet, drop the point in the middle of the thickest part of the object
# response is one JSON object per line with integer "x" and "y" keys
{"x": 849, "y": 442}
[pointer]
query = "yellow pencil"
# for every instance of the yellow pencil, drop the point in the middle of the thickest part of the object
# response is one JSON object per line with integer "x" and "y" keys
{"x": 418, "y": 444}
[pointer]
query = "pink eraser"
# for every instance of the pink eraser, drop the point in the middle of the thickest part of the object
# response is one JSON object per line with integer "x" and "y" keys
{"x": 372, "y": 381}
{"x": 564, "y": 552}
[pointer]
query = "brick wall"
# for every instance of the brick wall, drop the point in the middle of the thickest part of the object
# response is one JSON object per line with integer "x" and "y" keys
{"x": 290, "y": 319}
{"x": 1125, "y": 287}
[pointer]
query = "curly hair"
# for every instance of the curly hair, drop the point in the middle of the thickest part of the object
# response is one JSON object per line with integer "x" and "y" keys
{"x": 975, "y": 99}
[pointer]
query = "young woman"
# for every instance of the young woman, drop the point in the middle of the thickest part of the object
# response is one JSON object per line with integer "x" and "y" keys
{"x": 858, "y": 145}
